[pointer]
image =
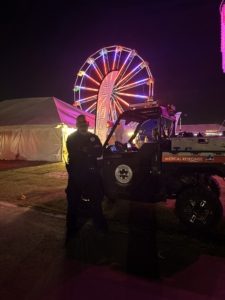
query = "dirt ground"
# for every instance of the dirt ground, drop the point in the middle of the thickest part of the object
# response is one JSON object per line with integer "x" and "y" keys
{"x": 35, "y": 266}
{"x": 16, "y": 164}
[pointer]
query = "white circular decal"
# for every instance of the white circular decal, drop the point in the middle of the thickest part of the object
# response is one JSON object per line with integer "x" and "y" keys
{"x": 123, "y": 174}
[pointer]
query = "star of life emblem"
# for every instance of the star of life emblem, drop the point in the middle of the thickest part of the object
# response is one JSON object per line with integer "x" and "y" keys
{"x": 123, "y": 174}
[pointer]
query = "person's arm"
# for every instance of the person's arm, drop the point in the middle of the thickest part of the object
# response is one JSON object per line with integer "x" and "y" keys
{"x": 96, "y": 147}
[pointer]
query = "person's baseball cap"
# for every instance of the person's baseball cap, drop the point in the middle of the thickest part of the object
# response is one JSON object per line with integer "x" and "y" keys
{"x": 82, "y": 121}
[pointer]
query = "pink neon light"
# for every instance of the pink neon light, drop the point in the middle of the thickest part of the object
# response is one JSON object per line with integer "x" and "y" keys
{"x": 92, "y": 79}
{"x": 104, "y": 63}
{"x": 222, "y": 12}
{"x": 123, "y": 101}
{"x": 130, "y": 57}
{"x": 129, "y": 74}
{"x": 88, "y": 99}
{"x": 87, "y": 88}
{"x": 133, "y": 95}
{"x": 131, "y": 85}
{"x": 114, "y": 60}
{"x": 92, "y": 107}
{"x": 98, "y": 71}
{"x": 123, "y": 65}
{"x": 118, "y": 107}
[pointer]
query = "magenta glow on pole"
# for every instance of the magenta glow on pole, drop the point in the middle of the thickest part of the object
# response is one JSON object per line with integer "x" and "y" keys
{"x": 222, "y": 13}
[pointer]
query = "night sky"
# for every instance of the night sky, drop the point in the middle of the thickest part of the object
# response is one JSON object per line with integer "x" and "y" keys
{"x": 44, "y": 44}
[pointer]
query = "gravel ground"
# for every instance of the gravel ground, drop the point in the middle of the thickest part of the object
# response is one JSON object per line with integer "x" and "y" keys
{"x": 34, "y": 265}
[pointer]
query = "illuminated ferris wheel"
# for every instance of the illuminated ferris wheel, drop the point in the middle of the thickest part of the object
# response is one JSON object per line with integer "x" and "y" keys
{"x": 116, "y": 73}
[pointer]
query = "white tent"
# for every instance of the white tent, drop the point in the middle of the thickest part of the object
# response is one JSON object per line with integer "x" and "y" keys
{"x": 35, "y": 128}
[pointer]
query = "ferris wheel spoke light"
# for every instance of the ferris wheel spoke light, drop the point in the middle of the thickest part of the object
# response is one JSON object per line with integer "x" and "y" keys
{"x": 129, "y": 74}
{"x": 112, "y": 111}
{"x": 132, "y": 85}
{"x": 133, "y": 95}
{"x": 98, "y": 71}
{"x": 105, "y": 58}
{"x": 130, "y": 59}
{"x": 88, "y": 99}
{"x": 118, "y": 61}
{"x": 122, "y": 101}
{"x": 123, "y": 65}
{"x": 118, "y": 52}
{"x": 114, "y": 58}
{"x": 107, "y": 61}
{"x": 92, "y": 107}
{"x": 87, "y": 88}
{"x": 132, "y": 74}
{"x": 118, "y": 106}
{"x": 104, "y": 62}
{"x": 92, "y": 110}
{"x": 92, "y": 79}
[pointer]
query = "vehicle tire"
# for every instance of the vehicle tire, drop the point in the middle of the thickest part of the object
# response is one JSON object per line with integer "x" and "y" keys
{"x": 198, "y": 208}
{"x": 214, "y": 186}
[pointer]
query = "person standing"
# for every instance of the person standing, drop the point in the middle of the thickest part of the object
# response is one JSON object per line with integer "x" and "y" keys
{"x": 84, "y": 180}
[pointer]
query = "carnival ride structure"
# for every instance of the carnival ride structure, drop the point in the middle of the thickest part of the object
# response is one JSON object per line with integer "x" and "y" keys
{"x": 118, "y": 72}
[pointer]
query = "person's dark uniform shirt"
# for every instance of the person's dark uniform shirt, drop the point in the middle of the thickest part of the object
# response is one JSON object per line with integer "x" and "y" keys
{"x": 83, "y": 150}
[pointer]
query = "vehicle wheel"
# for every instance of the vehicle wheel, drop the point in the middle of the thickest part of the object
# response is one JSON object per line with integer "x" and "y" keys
{"x": 214, "y": 186}
{"x": 198, "y": 208}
